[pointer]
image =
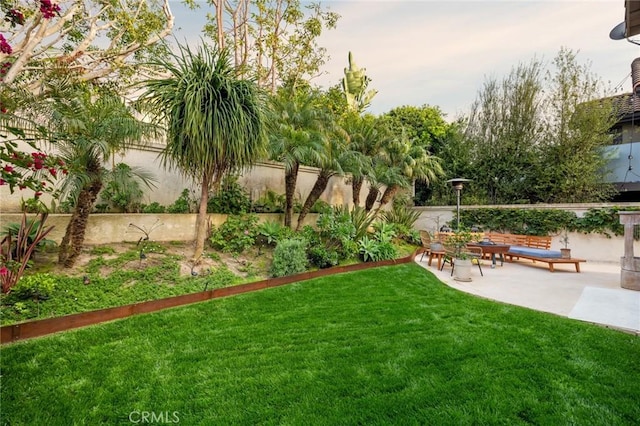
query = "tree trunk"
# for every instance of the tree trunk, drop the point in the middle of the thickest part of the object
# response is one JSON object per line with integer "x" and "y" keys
{"x": 318, "y": 188}
{"x": 388, "y": 195}
{"x": 202, "y": 220}
{"x": 71, "y": 244}
{"x": 290, "y": 180}
{"x": 356, "y": 187}
{"x": 371, "y": 198}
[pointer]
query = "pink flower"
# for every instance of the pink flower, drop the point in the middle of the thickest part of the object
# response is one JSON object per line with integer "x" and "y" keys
{"x": 4, "y": 46}
{"x": 4, "y": 271}
{"x": 8, "y": 168}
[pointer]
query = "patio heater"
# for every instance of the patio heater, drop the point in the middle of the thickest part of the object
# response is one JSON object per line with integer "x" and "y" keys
{"x": 457, "y": 184}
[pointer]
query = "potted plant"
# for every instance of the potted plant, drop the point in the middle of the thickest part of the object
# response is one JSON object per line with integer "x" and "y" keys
{"x": 565, "y": 252}
{"x": 461, "y": 262}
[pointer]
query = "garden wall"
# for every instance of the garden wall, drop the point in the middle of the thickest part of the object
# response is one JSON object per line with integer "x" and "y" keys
{"x": 170, "y": 184}
{"x": 115, "y": 227}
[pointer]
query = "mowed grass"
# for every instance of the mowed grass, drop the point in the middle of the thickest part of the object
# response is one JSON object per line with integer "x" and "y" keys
{"x": 389, "y": 345}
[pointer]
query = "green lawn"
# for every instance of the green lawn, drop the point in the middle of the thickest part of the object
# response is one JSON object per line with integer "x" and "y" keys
{"x": 389, "y": 345}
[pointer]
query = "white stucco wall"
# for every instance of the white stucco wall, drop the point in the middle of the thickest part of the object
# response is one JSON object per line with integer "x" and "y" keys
{"x": 170, "y": 184}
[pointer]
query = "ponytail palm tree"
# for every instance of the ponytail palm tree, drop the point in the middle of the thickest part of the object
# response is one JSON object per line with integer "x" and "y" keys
{"x": 215, "y": 122}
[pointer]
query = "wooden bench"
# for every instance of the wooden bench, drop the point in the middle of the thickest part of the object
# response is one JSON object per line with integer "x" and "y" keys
{"x": 531, "y": 241}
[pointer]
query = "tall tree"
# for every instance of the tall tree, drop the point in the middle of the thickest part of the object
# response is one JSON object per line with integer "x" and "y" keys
{"x": 274, "y": 41}
{"x": 216, "y": 122}
{"x": 424, "y": 126}
{"x": 91, "y": 125}
{"x": 296, "y": 137}
{"x": 83, "y": 40}
{"x": 537, "y": 134}
{"x": 506, "y": 125}
{"x": 578, "y": 127}
{"x": 366, "y": 136}
{"x": 407, "y": 161}
{"x": 335, "y": 157}
{"x": 51, "y": 44}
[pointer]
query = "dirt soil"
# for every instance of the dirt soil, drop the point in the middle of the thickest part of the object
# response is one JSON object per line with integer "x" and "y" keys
{"x": 253, "y": 262}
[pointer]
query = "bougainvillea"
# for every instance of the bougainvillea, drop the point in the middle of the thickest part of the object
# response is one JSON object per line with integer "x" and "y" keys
{"x": 48, "y": 9}
{"x": 14, "y": 17}
{"x": 4, "y": 46}
{"x": 36, "y": 171}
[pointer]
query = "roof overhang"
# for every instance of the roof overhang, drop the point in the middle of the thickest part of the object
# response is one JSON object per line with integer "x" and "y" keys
{"x": 632, "y": 17}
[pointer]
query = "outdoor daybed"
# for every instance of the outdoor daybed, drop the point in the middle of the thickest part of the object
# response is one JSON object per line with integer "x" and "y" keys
{"x": 532, "y": 247}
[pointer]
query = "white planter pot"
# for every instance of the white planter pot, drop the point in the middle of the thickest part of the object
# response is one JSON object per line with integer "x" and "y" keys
{"x": 462, "y": 270}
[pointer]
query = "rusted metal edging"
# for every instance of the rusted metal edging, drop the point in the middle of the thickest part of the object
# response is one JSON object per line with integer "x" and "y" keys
{"x": 30, "y": 329}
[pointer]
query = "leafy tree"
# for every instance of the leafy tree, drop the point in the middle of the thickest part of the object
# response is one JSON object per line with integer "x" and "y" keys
{"x": 76, "y": 39}
{"x": 48, "y": 44}
{"x": 273, "y": 41}
{"x": 506, "y": 126}
{"x": 537, "y": 136}
{"x": 91, "y": 125}
{"x": 455, "y": 154}
{"x": 215, "y": 121}
{"x": 425, "y": 124}
{"x": 577, "y": 128}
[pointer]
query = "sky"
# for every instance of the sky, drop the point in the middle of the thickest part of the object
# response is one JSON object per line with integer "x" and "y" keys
{"x": 440, "y": 52}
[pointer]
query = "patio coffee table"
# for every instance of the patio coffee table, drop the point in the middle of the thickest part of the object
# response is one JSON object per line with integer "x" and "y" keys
{"x": 493, "y": 250}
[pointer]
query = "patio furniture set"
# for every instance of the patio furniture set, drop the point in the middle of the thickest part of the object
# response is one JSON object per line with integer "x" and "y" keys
{"x": 496, "y": 245}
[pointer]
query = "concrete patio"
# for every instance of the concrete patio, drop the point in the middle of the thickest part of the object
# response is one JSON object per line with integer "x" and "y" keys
{"x": 593, "y": 295}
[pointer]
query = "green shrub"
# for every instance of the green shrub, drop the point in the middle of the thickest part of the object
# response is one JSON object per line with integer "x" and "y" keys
{"x": 380, "y": 246}
{"x": 322, "y": 257}
{"x": 402, "y": 217}
{"x": 37, "y": 286}
{"x": 270, "y": 202}
{"x": 320, "y": 206}
{"x": 183, "y": 204}
{"x": 231, "y": 198}
{"x": 122, "y": 190}
{"x": 289, "y": 257}
{"x": 236, "y": 234}
{"x": 271, "y": 232}
{"x": 154, "y": 207}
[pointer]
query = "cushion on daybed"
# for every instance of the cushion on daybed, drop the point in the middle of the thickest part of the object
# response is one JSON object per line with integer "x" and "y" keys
{"x": 535, "y": 252}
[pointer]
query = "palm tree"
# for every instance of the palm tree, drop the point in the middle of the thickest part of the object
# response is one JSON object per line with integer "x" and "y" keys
{"x": 216, "y": 123}
{"x": 407, "y": 161}
{"x": 366, "y": 136}
{"x": 90, "y": 126}
{"x": 335, "y": 158}
{"x": 296, "y": 138}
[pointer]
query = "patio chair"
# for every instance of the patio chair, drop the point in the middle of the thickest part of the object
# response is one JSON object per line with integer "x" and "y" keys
{"x": 474, "y": 253}
{"x": 425, "y": 239}
{"x": 433, "y": 248}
